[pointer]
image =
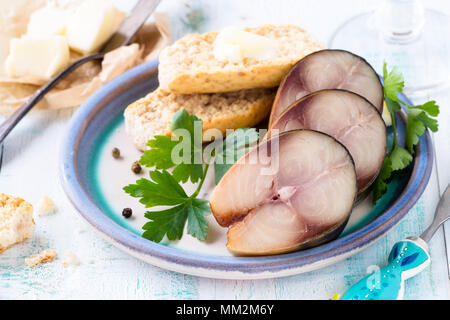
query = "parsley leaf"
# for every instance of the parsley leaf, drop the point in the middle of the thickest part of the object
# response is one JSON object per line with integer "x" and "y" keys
{"x": 171, "y": 222}
{"x": 393, "y": 82}
{"x": 160, "y": 153}
{"x": 197, "y": 224}
{"x": 392, "y": 105}
{"x": 419, "y": 119}
{"x": 430, "y": 107}
{"x": 168, "y": 222}
{"x": 400, "y": 158}
{"x": 188, "y": 128}
{"x": 234, "y": 147}
{"x": 164, "y": 190}
{"x": 185, "y": 171}
{"x": 183, "y": 153}
{"x": 380, "y": 183}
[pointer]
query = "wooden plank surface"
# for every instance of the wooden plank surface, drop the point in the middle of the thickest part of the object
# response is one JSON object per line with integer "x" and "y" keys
{"x": 30, "y": 164}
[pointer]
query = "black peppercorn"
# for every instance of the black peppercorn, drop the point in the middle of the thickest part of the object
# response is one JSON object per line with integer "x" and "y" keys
{"x": 127, "y": 212}
{"x": 136, "y": 167}
{"x": 116, "y": 153}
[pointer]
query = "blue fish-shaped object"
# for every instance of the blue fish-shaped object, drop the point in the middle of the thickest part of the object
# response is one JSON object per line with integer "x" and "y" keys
{"x": 407, "y": 258}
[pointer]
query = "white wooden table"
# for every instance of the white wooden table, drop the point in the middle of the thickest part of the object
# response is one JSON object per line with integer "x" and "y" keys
{"x": 29, "y": 170}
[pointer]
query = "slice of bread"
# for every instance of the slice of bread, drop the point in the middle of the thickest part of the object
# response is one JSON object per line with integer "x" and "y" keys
{"x": 153, "y": 114}
{"x": 16, "y": 221}
{"x": 189, "y": 65}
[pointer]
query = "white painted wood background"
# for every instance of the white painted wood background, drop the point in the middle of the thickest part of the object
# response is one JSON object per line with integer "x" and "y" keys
{"x": 30, "y": 165}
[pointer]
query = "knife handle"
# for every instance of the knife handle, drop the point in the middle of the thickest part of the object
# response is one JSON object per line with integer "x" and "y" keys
{"x": 16, "y": 116}
{"x": 407, "y": 258}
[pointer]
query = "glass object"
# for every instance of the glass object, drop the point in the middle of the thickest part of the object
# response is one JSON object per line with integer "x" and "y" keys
{"x": 406, "y": 35}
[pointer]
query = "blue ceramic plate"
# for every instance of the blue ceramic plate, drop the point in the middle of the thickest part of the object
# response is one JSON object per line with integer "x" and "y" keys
{"x": 93, "y": 181}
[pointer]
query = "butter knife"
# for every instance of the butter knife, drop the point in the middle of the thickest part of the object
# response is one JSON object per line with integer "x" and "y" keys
{"x": 122, "y": 37}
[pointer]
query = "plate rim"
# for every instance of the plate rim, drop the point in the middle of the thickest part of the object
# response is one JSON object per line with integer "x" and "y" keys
{"x": 225, "y": 267}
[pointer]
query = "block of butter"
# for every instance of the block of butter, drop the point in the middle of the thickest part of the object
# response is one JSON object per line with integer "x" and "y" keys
{"x": 233, "y": 45}
{"x": 41, "y": 58}
{"x": 91, "y": 25}
{"x": 47, "y": 22}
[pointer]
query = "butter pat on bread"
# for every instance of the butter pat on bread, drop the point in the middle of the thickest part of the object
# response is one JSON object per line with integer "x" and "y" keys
{"x": 153, "y": 114}
{"x": 16, "y": 221}
{"x": 234, "y": 45}
{"x": 190, "y": 65}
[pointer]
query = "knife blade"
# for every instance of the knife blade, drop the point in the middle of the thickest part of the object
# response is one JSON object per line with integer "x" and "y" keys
{"x": 128, "y": 28}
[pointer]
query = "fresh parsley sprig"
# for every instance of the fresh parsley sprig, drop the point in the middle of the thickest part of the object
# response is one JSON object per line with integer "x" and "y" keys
{"x": 164, "y": 188}
{"x": 188, "y": 132}
{"x": 419, "y": 118}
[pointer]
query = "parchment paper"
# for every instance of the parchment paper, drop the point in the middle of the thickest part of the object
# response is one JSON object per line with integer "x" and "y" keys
{"x": 81, "y": 83}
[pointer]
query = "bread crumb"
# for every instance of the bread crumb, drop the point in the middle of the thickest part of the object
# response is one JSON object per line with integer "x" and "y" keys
{"x": 45, "y": 207}
{"x": 70, "y": 259}
{"x": 79, "y": 230}
{"x": 16, "y": 221}
{"x": 45, "y": 256}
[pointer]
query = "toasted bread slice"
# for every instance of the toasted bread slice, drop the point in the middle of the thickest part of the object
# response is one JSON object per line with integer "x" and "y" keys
{"x": 189, "y": 65}
{"x": 16, "y": 221}
{"x": 153, "y": 114}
